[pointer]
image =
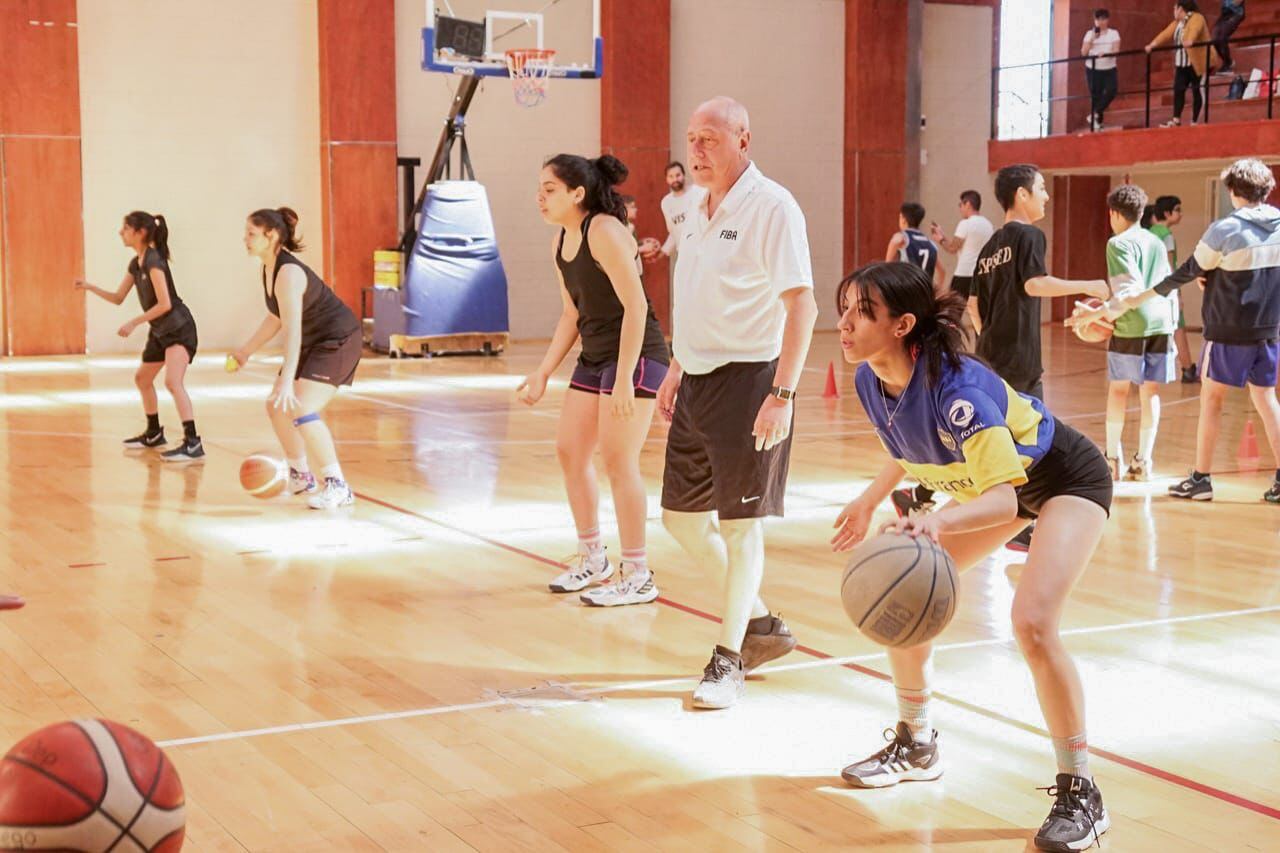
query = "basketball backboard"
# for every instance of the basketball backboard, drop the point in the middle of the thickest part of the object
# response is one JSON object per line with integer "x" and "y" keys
{"x": 471, "y": 36}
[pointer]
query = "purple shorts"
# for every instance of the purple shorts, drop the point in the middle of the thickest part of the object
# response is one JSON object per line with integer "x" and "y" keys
{"x": 599, "y": 380}
{"x": 1241, "y": 364}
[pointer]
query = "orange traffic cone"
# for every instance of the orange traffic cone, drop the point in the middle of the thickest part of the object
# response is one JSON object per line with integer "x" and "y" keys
{"x": 1248, "y": 442}
{"x": 832, "y": 391}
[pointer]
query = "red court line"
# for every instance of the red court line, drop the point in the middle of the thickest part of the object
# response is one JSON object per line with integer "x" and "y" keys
{"x": 1132, "y": 764}
{"x": 84, "y": 565}
{"x": 171, "y": 559}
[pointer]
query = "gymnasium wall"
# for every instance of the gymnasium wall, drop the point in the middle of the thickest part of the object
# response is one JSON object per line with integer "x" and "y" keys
{"x": 956, "y": 101}
{"x": 203, "y": 117}
{"x": 508, "y": 145}
{"x": 791, "y": 79}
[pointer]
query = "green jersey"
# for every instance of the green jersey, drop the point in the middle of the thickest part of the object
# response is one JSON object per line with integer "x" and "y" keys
{"x": 1137, "y": 261}
{"x": 1170, "y": 245}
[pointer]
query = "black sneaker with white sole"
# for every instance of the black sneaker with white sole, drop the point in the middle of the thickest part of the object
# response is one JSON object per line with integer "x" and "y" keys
{"x": 1272, "y": 495}
{"x": 145, "y": 440}
{"x": 904, "y": 760}
{"x": 190, "y": 450}
{"x": 1078, "y": 817}
{"x": 1193, "y": 489}
{"x": 907, "y": 505}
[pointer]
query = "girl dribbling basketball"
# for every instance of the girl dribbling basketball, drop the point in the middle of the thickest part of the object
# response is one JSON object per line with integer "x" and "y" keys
{"x": 949, "y": 420}
{"x": 322, "y": 347}
{"x": 605, "y": 306}
{"x": 171, "y": 338}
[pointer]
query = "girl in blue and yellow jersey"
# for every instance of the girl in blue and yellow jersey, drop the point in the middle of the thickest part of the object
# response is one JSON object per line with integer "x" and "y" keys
{"x": 947, "y": 419}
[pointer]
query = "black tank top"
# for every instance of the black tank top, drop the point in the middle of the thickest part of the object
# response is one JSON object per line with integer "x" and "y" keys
{"x": 325, "y": 317}
{"x": 599, "y": 309}
{"x": 177, "y": 315}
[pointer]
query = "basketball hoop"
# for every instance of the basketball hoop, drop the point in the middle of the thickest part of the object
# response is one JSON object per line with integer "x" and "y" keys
{"x": 530, "y": 70}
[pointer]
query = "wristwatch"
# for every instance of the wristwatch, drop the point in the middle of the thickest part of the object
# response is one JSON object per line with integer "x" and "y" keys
{"x": 782, "y": 393}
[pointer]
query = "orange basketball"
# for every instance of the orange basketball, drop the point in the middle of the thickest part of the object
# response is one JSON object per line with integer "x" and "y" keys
{"x": 263, "y": 476}
{"x": 93, "y": 786}
{"x": 1097, "y": 331}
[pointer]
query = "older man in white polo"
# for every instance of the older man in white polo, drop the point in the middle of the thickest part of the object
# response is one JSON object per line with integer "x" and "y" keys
{"x": 744, "y": 315}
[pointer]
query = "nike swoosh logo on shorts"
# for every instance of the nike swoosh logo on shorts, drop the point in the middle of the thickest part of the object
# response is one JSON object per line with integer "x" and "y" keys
{"x": 749, "y": 500}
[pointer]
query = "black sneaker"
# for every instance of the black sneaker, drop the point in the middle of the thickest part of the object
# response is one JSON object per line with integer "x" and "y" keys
{"x": 146, "y": 440}
{"x": 903, "y": 760}
{"x": 906, "y": 505}
{"x": 1272, "y": 495}
{"x": 723, "y": 681}
{"x": 1190, "y": 375}
{"x": 1078, "y": 817}
{"x": 761, "y": 646}
{"x": 1022, "y": 542}
{"x": 1193, "y": 489}
{"x": 190, "y": 450}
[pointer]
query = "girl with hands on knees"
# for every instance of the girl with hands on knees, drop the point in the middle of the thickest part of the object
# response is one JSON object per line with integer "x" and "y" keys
{"x": 624, "y": 358}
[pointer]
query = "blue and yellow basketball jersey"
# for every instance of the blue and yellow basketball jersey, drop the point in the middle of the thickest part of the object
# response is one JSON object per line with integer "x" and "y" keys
{"x": 968, "y": 433}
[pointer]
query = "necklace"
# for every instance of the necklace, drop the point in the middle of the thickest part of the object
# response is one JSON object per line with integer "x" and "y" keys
{"x": 884, "y": 401}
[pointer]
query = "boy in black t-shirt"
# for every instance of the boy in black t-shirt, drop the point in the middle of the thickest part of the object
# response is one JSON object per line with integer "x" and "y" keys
{"x": 1008, "y": 283}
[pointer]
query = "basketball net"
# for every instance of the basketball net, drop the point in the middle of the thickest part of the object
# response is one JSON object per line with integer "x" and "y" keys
{"x": 530, "y": 70}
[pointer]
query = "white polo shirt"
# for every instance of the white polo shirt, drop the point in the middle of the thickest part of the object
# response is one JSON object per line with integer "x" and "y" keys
{"x": 731, "y": 272}
{"x": 676, "y": 209}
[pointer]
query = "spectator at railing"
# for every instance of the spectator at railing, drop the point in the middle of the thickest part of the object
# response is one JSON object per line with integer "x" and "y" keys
{"x": 1232, "y": 15}
{"x": 1190, "y": 62}
{"x": 1101, "y": 43}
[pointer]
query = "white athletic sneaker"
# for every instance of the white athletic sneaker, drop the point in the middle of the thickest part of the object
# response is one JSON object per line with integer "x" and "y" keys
{"x": 633, "y": 588}
{"x": 582, "y": 572}
{"x": 302, "y": 483}
{"x": 724, "y": 681}
{"x": 335, "y": 493}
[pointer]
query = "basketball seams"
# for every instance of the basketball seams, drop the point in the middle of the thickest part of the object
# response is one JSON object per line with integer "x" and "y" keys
{"x": 127, "y": 831}
{"x": 97, "y": 807}
{"x": 896, "y": 581}
{"x": 928, "y": 602}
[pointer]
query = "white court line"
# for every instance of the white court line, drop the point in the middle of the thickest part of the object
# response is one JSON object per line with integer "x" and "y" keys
{"x": 671, "y": 682}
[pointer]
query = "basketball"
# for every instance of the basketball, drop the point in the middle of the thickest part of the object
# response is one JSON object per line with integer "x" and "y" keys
{"x": 262, "y": 476}
{"x": 1099, "y": 330}
{"x": 91, "y": 786}
{"x": 899, "y": 590}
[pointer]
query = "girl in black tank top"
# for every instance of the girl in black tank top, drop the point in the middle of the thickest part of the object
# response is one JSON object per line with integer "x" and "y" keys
{"x": 171, "y": 340}
{"x": 321, "y": 350}
{"x": 623, "y": 361}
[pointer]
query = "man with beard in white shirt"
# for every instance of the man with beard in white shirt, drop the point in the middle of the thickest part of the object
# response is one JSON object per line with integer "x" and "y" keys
{"x": 676, "y": 205}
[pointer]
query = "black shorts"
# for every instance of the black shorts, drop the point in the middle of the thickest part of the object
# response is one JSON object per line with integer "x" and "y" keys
{"x": 1073, "y": 466}
{"x": 157, "y": 343}
{"x": 962, "y": 284}
{"x": 331, "y": 362}
{"x": 712, "y": 462}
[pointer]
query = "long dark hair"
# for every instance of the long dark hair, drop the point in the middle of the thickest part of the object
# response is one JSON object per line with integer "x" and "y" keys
{"x": 904, "y": 289}
{"x": 157, "y": 230}
{"x": 284, "y": 222}
{"x": 598, "y": 177}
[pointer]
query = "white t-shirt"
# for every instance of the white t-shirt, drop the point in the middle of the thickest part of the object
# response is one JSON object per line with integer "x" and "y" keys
{"x": 1108, "y": 42}
{"x": 975, "y": 231}
{"x": 731, "y": 272}
{"x": 675, "y": 208}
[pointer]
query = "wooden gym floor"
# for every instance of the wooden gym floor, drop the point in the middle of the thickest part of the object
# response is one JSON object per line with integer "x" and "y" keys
{"x": 398, "y": 678}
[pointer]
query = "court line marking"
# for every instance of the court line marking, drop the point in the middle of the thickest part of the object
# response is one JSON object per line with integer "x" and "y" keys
{"x": 823, "y": 659}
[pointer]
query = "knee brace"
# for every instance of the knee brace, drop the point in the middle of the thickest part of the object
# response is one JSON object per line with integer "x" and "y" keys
{"x": 305, "y": 419}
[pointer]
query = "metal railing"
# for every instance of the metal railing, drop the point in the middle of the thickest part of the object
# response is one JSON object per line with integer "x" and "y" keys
{"x": 1058, "y": 82}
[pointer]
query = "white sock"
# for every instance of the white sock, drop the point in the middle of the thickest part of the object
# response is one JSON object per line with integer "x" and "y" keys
{"x": 1147, "y": 429}
{"x": 1114, "y": 429}
{"x": 634, "y": 561}
{"x": 1072, "y": 755}
{"x": 913, "y": 709}
{"x": 590, "y": 544}
{"x": 334, "y": 471}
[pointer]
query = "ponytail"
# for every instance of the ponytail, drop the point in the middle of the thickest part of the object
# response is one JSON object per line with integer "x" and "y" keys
{"x": 154, "y": 226}
{"x": 284, "y": 222}
{"x": 598, "y": 178}
{"x": 937, "y": 335}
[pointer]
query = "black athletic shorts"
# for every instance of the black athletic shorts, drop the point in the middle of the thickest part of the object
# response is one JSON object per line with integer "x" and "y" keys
{"x": 331, "y": 362}
{"x": 184, "y": 335}
{"x": 1073, "y": 466}
{"x": 712, "y": 462}
{"x": 962, "y": 284}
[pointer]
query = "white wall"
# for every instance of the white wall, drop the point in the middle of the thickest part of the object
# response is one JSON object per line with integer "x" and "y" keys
{"x": 508, "y": 145}
{"x": 203, "y": 113}
{"x": 789, "y": 72}
{"x": 956, "y": 101}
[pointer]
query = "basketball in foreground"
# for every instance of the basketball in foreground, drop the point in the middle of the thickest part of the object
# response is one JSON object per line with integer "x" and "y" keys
{"x": 899, "y": 590}
{"x": 1099, "y": 330}
{"x": 262, "y": 476}
{"x": 91, "y": 786}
